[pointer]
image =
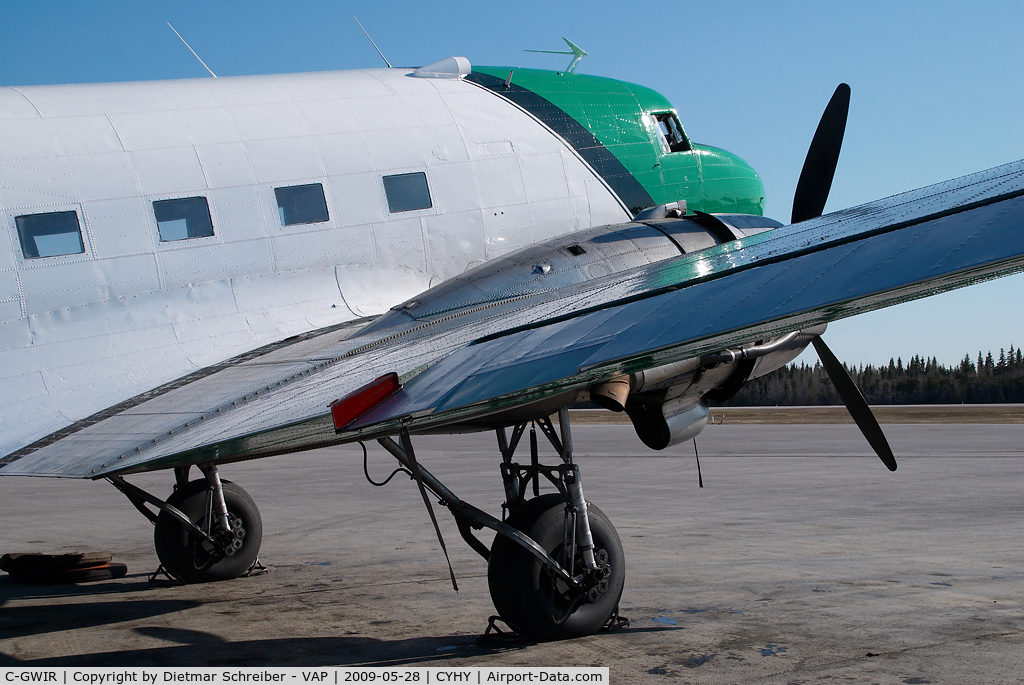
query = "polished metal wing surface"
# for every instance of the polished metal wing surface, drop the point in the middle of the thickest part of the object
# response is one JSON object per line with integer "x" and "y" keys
{"x": 507, "y": 347}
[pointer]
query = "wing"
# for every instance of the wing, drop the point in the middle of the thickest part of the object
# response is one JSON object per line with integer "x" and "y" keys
{"x": 483, "y": 353}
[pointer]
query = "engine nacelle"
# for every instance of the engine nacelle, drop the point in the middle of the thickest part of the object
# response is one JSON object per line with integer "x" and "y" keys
{"x": 669, "y": 404}
{"x": 573, "y": 259}
{"x": 670, "y": 423}
{"x": 684, "y": 419}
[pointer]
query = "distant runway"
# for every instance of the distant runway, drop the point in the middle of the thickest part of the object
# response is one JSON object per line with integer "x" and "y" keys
{"x": 801, "y": 560}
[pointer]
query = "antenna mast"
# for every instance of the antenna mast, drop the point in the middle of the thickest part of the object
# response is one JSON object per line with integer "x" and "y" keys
{"x": 374, "y": 45}
{"x": 577, "y": 54}
{"x": 193, "y": 52}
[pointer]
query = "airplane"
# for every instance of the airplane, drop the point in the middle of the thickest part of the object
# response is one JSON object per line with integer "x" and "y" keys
{"x": 198, "y": 272}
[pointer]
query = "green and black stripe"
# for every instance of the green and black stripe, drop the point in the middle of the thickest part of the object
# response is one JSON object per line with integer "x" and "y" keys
{"x": 632, "y": 194}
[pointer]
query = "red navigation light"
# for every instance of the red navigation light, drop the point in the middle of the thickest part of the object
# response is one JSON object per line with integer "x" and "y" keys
{"x": 358, "y": 402}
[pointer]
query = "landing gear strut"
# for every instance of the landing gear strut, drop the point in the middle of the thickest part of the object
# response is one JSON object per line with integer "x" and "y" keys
{"x": 575, "y": 533}
{"x": 556, "y": 567}
{"x": 536, "y": 603}
{"x": 207, "y": 530}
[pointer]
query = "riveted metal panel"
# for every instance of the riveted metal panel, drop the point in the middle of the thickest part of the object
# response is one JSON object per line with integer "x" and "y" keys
{"x": 314, "y": 247}
{"x": 128, "y": 275}
{"x": 268, "y": 120}
{"x": 291, "y": 158}
{"x": 122, "y": 227}
{"x": 397, "y": 150}
{"x": 248, "y": 92}
{"x": 326, "y": 117}
{"x": 28, "y": 139}
{"x": 355, "y": 200}
{"x": 104, "y": 175}
{"x": 64, "y": 100}
{"x": 14, "y": 105}
{"x": 344, "y": 153}
{"x": 455, "y": 240}
{"x": 182, "y": 262}
{"x": 496, "y": 182}
{"x": 424, "y": 110}
{"x": 116, "y": 98}
{"x": 36, "y": 182}
{"x": 60, "y": 283}
{"x": 226, "y": 164}
{"x": 276, "y": 291}
{"x": 248, "y": 257}
{"x": 239, "y": 213}
{"x": 366, "y": 288}
{"x": 9, "y": 291}
{"x": 80, "y": 135}
{"x": 143, "y": 130}
{"x": 173, "y": 172}
{"x": 210, "y": 126}
{"x": 401, "y": 243}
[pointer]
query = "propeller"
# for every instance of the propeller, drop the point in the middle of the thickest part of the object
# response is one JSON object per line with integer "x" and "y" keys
{"x": 855, "y": 403}
{"x": 808, "y": 202}
{"x": 822, "y": 157}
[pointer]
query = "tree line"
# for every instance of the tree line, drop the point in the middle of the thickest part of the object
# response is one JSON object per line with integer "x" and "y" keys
{"x": 985, "y": 380}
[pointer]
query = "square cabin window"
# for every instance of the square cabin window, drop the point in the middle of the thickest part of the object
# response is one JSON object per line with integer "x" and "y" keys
{"x": 50, "y": 235}
{"x": 407, "y": 192}
{"x": 184, "y": 218}
{"x": 301, "y": 204}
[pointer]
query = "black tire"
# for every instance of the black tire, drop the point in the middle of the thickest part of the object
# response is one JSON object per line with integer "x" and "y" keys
{"x": 527, "y": 596}
{"x": 189, "y": 557}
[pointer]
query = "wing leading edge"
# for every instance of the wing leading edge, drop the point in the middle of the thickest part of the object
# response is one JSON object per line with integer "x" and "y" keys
{"x": 462, "y": 367}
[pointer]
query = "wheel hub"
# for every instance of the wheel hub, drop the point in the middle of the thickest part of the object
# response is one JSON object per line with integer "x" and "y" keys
{"x": 597, "y": 579}
{"x": 231, "y": 541}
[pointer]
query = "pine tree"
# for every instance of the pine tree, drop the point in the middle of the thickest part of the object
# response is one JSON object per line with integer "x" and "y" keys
{"x": 922, "y": 381}
{"x": 966, "y": 366}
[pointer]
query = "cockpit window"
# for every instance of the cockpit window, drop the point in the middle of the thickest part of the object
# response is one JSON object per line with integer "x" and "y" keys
{"x": 49, "y": 235}
{"x": 670, "y": 133}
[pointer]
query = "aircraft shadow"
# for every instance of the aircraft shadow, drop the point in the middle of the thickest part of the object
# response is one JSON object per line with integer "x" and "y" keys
{"x": 206, "y": 649}
{"x": 13, "y": 589}
{"x": 189, "y": 647}
{"x": 199, "y": 648}
{"x": 38, "y": 620}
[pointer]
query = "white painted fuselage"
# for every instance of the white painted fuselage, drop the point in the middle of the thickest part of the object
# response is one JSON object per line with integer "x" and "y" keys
{"x": 84, "y": 331}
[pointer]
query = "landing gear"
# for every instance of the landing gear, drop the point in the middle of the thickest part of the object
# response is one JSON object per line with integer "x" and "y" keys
{"x": 231, "y": 552}
{"x": 207, "y": 530}
{"x": 536, "y": 603}
{"x": 556, "y": 567}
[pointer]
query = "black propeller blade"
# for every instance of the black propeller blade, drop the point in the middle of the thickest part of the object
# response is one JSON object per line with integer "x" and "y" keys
{"x": 855, "y": 402}
{"x": 822, "y": 157}
{"x": 808, "y": 202}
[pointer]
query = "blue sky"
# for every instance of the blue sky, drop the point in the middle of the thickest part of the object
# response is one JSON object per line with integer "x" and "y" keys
{"x": 938, "y": 90}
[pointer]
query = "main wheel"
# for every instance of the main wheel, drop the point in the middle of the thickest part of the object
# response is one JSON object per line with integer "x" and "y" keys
{"x": 196, "y": 560}
{"x": 533, "y": 601}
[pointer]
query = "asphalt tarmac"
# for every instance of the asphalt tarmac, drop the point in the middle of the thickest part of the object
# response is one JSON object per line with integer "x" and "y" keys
{"x": 801, "y": 560}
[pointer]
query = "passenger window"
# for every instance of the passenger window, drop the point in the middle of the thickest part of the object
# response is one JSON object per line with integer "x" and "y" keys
{"x": 407, "y": 192}
{"x": 301, "y": 204}
{"x": 670, "y": 132}
{"x": 181, "y": 219}
{"x": 50, "y": 235}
